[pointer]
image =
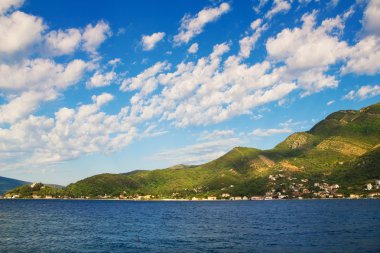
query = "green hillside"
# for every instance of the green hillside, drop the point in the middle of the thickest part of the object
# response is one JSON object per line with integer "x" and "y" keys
{"x": 338, "y": 156}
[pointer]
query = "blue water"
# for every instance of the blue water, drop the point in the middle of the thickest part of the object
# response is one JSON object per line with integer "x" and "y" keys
{"x": 236, "y": 226}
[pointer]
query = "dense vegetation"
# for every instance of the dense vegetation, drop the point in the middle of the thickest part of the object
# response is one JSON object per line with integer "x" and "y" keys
{"x": 342, "y": 149}
{"x": 37, "y": 190}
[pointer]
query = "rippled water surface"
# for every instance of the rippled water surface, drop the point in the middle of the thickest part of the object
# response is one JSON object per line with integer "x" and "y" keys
{"x": 237, "y": 226}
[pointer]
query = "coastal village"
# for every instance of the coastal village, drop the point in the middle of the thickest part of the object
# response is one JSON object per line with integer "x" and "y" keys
{"x": 280, "y": 187}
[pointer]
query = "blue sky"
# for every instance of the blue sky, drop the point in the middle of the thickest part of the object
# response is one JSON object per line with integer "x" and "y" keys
{"x": 115, "y": 86}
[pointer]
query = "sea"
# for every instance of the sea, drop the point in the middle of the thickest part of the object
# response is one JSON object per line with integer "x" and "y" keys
{"x": 190, "y": 226}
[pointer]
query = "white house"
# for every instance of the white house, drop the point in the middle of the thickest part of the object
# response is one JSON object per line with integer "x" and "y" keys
{"x": 225, "y": 195}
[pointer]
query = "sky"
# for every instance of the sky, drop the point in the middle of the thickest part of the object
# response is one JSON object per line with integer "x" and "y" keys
{"x": 89, "y": 87}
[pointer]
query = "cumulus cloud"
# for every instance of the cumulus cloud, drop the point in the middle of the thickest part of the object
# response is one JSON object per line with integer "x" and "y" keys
{"x": 363, "y": 92}
{"x": 102, "y": 99}
{"x": 206, "y": 91}
{"x": 146, "y": 80}
{"x": 19, "y": 31}
{"x": 247, "y": 43}
{"x": 40, "y": 74}
{"x": 101, "y": 80}
{"x": 372, "y": 17}
{"x": 94, "y": 36}
{"x": 193, "y": 48}
{"x": 32, "y": 82}
{"x": 30, "y": 76}
{"x": 307, "y": 52}
{"x": 68, "y": 135}
{"x": 23, "y": 105}
{"x": 6, "y": 5}
{"x": 22, "y": 32}
{"x": 63, "y": 42}
{"x": 279, "y": 6}
{"x": 364, "y": 57}
{"x": 307, "y": 47}
{"x": 149, "y": 41}
{"x": 215, "y": 88}
{"x": 192, "y": 26}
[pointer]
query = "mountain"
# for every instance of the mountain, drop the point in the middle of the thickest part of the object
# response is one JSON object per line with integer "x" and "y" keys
{"x": 339, "y": 156}
{"x": 7, "y": 184}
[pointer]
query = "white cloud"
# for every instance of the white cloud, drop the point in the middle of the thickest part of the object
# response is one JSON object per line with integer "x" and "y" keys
{"x": 40, "y": 74}
{"x": 94, "y": 36}
{"x": 149, "y": 41}
{"x": 206, "y": 91}
{"x": 192, "y": 26}
{"x": 364, "y": 92}
{"x": 247, "y": 43}
{"x": 216, "y": 88}
{"x": 146, "y": 80}
{"x": 372, "y": 17}
{"x": 101, "y": 80}
{"x": 36, "y": 141}
{"x": 114, "y": 62}
{"x": 279, "y": 6}
{"x": 364, "y": 57}
{"x": 349, "y": 12}
{"x": 6, "y": 5}
{"x": 23, "y": 105}
{"x": 25, "y": 33}
{"x": 18, "y": 31}
{"x": 307, "y": 47}
{"x": 63, "y": 42}
{"x": 102, "y": 99}
{"x": 32, "y": 82}
{"x": 269, "y": 132}
{"x": 330, "y": 102}
{"x": 261, "y": 4}
{"x": 193, "y": 48}
{"x": 256, "y": 23}
{"x": 309, "y": 51}
{"x": 28, "y": 78}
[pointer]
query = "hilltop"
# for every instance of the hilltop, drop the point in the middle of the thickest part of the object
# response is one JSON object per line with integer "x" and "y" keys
{"x": 339, "y": 156}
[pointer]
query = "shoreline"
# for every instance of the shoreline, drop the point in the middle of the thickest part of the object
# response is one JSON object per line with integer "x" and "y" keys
{"x": 187, "y": 200}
